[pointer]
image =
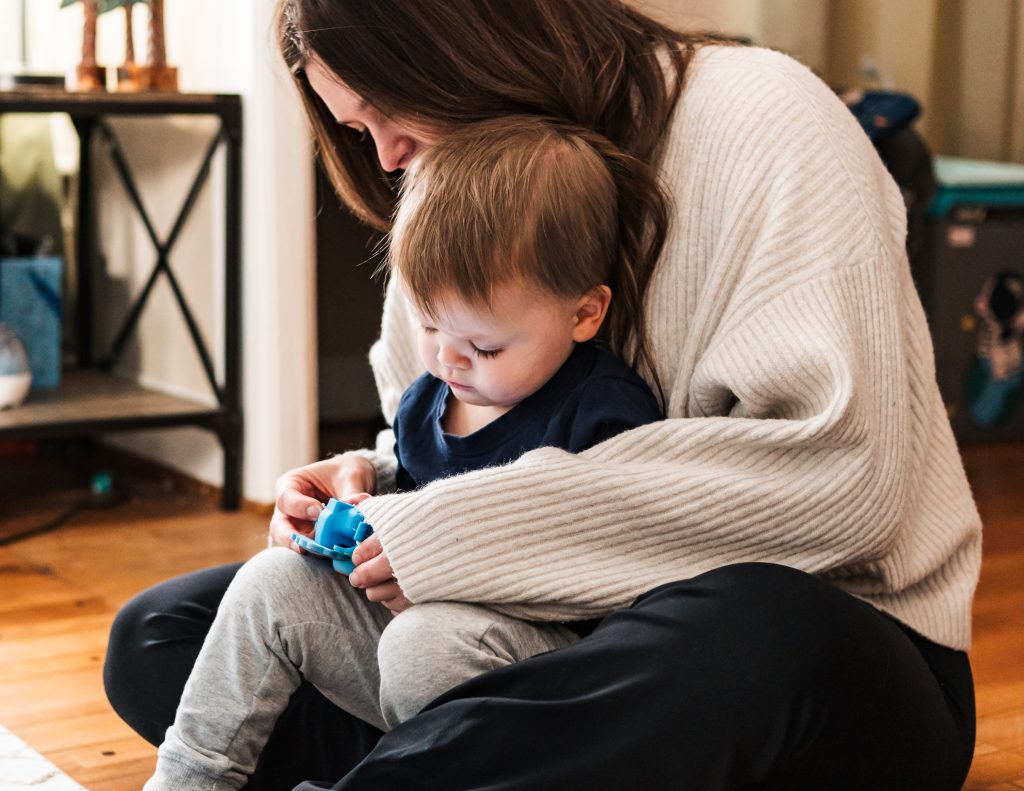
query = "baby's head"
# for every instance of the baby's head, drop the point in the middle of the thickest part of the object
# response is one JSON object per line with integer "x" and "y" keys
{"x": 504, "y": 242}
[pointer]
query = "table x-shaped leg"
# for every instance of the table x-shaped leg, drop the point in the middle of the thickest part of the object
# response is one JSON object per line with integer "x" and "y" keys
{"x": 163, "y": 250}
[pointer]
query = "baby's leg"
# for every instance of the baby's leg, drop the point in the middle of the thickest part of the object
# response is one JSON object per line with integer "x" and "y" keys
{"x": 284, "y": 616}
{"x": 430, "y": 648}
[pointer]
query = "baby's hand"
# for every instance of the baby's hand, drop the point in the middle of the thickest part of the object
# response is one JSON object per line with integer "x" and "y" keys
{"x": 374, "y": 574}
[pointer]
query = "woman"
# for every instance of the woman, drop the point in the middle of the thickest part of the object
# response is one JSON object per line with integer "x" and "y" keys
{"x": 788, "y": 559}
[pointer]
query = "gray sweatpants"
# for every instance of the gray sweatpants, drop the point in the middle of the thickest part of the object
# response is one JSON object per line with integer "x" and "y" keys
{"x": 286, "y": 617}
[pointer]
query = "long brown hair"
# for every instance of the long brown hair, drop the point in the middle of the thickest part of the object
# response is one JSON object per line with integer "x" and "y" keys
{"x": 595, "y": 64}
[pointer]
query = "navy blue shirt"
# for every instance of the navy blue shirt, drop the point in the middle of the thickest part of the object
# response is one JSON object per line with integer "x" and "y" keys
{"x": 592, "y": 397}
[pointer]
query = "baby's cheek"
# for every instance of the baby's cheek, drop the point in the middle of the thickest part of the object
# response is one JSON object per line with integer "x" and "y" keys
{"x": 520, "y": 383}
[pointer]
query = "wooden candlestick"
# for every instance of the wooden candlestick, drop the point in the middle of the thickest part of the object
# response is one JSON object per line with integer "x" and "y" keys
{"x": 157, "y": 75}
{"x": 129, "y": 76}
{"x": 87, "y": 75}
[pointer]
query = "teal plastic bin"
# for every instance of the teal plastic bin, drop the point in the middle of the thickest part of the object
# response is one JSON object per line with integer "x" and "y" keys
{"x": 31, "y": 307}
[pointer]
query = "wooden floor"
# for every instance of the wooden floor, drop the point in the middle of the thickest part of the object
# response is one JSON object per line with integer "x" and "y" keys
{"x": 59, "y": 592}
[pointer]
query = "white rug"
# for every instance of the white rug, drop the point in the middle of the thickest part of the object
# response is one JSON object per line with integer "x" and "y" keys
{"x": 22, "y": 767}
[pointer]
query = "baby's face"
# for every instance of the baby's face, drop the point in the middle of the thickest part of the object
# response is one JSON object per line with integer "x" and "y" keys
{"x": 497, "y": 357}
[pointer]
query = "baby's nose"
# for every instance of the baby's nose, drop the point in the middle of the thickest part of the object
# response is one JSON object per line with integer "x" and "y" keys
{"x": 451, "y": 358}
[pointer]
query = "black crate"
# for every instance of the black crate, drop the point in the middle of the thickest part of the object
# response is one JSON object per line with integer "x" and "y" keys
{"x": 971, "y": 278}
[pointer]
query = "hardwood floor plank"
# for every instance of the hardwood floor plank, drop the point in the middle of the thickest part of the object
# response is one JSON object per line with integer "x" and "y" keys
{"x": 1005, "y": 730}
{"x": 59, "y": 593}
{"x": 1002, "y": 766}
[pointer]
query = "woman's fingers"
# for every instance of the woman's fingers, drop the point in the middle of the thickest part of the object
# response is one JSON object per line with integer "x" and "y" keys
{"x": 295, "y": 511}
{"x": 389, "y": 594}
{"x": 293, "y": 503}
{"x": 281, "y": 529}
{"x": 397, "y": 604}
{"x": 302, "y": 493}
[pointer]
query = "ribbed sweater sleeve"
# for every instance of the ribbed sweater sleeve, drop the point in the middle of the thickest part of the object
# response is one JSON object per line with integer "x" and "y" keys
{"x": 804, "y": 424}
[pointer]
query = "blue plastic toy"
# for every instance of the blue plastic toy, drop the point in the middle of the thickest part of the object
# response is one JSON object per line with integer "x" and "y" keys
{"x": 338, "y": 531}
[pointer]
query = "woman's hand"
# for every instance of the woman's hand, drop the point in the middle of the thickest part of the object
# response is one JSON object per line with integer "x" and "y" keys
{"x": 302, "y": 492}
{"x": 374, "y": 574}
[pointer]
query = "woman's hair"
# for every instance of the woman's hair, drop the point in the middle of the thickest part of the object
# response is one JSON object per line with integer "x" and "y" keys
{"x": 520, "y": 198}
{"x": 597, "y": 64}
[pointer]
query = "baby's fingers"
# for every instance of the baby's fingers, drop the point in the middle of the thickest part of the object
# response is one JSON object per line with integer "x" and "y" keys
{"x": 369, "y": 548}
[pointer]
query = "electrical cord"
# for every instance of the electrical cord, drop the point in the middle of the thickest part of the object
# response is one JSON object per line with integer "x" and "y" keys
{"x": 102, "y": 494}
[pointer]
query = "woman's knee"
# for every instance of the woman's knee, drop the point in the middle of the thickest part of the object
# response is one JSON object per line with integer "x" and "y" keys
{"x": 153, "y": 644}
{"x": 778, "y": 619}
{"x": 123, "y": 651}
{"x": 748, "y": 591}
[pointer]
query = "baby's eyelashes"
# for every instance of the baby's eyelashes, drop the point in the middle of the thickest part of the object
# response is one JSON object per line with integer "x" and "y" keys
{"x": 486, "y": 353}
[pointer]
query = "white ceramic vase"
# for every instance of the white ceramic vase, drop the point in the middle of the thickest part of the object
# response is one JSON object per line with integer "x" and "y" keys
{"x": 15, "y": 376}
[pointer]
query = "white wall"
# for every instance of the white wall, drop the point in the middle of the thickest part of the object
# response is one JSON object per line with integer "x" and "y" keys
{"x": 793, "y": 26}
{"x": 222, "y": 46}
{"x": 987, "y": 80}
{"x": 279, "y": 334}
{"x": 733, "y": 17}
{"x": 10, "y": 35}
{"x": 964, "y": 59}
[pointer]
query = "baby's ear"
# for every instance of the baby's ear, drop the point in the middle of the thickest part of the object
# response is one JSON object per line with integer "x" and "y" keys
{"x": 590, "y": 312}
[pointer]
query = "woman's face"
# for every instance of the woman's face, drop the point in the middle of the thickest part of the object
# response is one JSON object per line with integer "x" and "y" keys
{"x": 397, "y": 141}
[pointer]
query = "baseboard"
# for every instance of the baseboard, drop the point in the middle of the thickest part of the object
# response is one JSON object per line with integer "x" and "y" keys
{"x": 178, "y": 481}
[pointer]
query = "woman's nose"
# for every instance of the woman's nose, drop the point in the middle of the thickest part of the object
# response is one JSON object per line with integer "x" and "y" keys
{"x": 394, "y": 151}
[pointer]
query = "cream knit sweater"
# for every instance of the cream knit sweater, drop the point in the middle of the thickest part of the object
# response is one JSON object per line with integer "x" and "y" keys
{"x": 804, "y": 425}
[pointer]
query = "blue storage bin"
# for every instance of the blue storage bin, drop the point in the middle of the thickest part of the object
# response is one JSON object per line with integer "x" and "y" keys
{"x": 30, "y": 305}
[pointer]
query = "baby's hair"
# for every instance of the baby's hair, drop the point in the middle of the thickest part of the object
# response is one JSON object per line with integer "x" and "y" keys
{"x": 519, "y": 198}
{"x": 500, "y": 201}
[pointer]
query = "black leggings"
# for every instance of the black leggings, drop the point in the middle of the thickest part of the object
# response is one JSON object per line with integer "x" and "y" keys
{"x": 752, "y": 676}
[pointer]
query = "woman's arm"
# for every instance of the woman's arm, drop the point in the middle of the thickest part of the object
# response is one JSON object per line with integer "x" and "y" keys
{"x": 805, "y": 426}
{"x": 808, "y": 468}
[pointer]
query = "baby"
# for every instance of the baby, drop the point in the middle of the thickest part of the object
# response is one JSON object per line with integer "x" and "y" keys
{"x": 505, "y": 253}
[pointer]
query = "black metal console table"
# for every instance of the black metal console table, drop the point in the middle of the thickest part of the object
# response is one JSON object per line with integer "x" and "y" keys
{"x": 90, "y": 401}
